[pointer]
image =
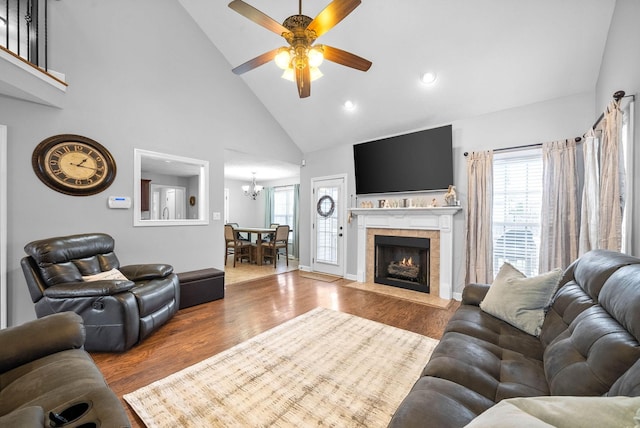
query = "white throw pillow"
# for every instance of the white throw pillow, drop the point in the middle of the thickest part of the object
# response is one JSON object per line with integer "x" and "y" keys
{"x": 110, "y": 274}
{"x": 521, "y": 301}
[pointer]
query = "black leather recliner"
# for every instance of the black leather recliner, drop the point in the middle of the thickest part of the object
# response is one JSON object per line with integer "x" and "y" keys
{"x": 117, "y": 313}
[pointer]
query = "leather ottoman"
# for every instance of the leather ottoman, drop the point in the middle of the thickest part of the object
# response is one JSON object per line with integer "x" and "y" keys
{"x": 200, "y": 286}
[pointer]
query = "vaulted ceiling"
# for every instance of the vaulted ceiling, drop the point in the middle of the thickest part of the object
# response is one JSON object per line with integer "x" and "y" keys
{"x": 489, "y": 55}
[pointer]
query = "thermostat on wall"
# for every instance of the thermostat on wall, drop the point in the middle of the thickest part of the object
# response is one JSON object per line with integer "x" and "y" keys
{"x": 123, "y": 202}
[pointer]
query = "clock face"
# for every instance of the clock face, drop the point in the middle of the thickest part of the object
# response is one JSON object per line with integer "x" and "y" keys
{"x": 74, "y": 165}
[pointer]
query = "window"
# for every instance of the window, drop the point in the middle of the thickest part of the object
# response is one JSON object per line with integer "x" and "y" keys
{"x": 283, "y": 205}
{"x": 517, "y": 199}
{"x": 283, "y": 208}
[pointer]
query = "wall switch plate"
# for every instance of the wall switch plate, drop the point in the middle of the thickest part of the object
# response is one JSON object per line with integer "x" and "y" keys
{"x": 216, "y": 216}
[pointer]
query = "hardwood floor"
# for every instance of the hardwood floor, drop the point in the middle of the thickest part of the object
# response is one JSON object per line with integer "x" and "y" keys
{"x": 248, "y": 309}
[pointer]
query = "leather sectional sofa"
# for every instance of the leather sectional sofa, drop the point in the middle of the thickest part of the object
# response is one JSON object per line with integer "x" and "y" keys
{"x": 588, "y": 347}
{"x": 48, "y": 380}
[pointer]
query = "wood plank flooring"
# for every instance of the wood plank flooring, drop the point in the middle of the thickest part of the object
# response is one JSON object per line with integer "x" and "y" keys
{"x": 248, "y": 309}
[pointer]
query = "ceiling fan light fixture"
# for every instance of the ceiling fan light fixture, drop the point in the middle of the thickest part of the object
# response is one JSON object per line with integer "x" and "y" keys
{"x": 315, "y": 56}
{"x": 288, "y": 74}
{"x": 283, "y": 58}
{"x": 315, "y": 73}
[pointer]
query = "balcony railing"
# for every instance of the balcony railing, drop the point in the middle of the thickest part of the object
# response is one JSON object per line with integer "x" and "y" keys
{"x": 23, "y": 30}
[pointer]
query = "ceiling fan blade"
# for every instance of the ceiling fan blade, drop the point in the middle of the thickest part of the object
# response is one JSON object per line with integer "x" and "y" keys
{"x": 258, "y": 17}
{"x": 345, "y": 58}
{"x": 335, "y": 12}
{"x": 256, "y": 62}
{"x": 303, "y": 79}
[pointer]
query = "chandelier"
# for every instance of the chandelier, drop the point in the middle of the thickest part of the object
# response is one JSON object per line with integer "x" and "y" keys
{"x": 252, "y": 190}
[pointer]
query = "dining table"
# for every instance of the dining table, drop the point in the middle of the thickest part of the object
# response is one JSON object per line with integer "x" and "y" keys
{"x": 259, "y": 232}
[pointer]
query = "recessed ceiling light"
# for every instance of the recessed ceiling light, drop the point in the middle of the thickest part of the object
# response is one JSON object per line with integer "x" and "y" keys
{"x": 349, "y": 105}
{"x": 428, "y": 78}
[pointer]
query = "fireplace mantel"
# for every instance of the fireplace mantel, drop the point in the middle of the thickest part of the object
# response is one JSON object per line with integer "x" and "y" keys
{"x": 418, "y": 218}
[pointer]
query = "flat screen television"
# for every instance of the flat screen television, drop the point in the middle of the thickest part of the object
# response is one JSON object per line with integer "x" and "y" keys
{"x": 418, "y": 161}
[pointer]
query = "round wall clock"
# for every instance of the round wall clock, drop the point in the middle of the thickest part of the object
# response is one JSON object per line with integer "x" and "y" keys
{"x": 74, "y": 165}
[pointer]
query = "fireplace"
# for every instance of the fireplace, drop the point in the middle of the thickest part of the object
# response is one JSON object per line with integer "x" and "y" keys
{"x": 402, "y": 261}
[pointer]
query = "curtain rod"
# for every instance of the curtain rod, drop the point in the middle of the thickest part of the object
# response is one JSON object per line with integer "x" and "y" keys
{"x": 526, "y": 146}
{"x": 618, "y": 95}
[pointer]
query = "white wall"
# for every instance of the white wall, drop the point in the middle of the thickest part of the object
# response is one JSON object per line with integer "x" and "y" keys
{"x": 621, "y": 71}
{"x": 242, "y": 209}
{"x": 141, "y": 74}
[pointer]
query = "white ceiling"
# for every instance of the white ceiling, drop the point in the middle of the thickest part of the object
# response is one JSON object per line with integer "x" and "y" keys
{"x": 489, "y": 55}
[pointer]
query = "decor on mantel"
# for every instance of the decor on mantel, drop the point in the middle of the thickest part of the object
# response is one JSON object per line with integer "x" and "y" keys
{"x": 252, "y": 190}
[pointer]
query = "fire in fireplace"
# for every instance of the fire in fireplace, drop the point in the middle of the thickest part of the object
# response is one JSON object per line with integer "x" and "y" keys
{"x": 402, "y": 261}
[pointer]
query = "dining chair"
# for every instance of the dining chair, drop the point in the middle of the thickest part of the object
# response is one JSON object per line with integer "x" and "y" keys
{"x": 233, "y": 245}
{"x": 280, "y": 240}
{"x": 240, "y": 236}
{"x": 270, "y": 236}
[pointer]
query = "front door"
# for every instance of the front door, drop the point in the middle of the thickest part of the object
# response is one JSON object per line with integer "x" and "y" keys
{"x": 328, "y": 214}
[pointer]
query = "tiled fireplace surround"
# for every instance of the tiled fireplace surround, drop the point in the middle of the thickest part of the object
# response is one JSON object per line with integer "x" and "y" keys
{"x": 433, "y": 223}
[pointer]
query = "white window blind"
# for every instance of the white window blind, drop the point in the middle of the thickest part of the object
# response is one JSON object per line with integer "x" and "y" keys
{"x": 517, "y": 199}
{"x": 283, "y": 205}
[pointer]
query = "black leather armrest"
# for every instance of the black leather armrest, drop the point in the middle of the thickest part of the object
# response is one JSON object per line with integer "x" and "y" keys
{"x": 106, "y": 287}
{"x": 146, "y": 271}
{"x": 473, "y": 294}
{"x": 35, "y": 339}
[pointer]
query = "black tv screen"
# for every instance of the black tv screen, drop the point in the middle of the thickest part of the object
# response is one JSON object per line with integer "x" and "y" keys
{"x": 418, "y": 161}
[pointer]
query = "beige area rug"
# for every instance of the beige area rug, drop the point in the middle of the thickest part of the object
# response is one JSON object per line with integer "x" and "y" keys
{"x": 319, "y": 276}
{"x": 401, "y": 293}
{"x": 323, "y": 368}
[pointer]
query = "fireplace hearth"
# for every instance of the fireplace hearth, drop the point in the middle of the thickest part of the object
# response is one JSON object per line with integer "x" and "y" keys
{"x": 402, "y": 261}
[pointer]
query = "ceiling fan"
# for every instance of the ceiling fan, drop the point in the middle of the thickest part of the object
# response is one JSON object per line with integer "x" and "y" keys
{"x": 301, "y": 58}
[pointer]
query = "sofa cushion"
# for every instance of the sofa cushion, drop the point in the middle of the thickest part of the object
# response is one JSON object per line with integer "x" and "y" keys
{"x": 588, "y": 357}
{"x": 489, "y": 370}
{"x": 474, "y": 322}
{"x": 569, "y": 302}
{"x": 628, "y": 384}
{"x": 620, "y": 297}
{"x": 440, "y": 402}
{"x": 519, "y": 300}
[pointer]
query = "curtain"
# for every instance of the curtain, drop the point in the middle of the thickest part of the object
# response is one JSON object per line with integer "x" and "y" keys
{"x": 590, "y": 195}
{"x": 296, "y": 220}
{"x": 479, "y": 209}
{"x": 559, "y": 232}
{"x": 268, "y": 205}
{"x": 611, "y": 183}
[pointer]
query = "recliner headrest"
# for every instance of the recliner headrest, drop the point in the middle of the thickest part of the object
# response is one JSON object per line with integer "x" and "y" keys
{"x": 65, "y": 248}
